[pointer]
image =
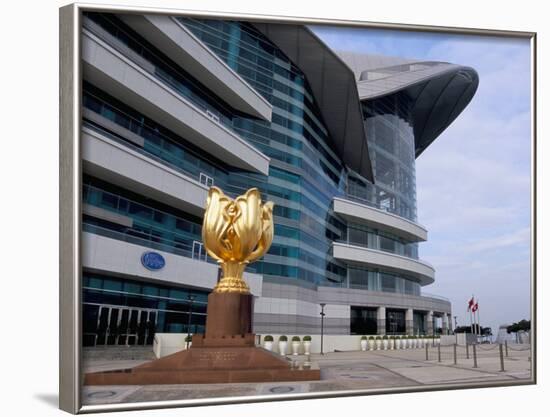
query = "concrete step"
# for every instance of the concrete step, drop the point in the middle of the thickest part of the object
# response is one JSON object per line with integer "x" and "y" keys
{"x": 118, "y": 353}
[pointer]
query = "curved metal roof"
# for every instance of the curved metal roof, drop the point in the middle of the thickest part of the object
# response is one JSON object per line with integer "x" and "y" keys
{"x": 341, "y": 80}
{"x": 440, "y": 91}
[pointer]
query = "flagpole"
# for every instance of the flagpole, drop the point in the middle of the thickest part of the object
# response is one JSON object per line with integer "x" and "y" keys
{"x": 478, "y": 319}
{"x": 470, "y": 310}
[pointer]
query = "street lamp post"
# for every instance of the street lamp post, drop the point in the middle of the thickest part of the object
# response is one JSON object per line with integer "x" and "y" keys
{"x": 454, "y": 331}
{"x": 322, "y": 313}
{"x": 191, "y": 298}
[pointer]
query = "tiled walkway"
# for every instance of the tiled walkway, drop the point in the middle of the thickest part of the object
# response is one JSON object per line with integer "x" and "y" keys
{"x": 340, "y": 371}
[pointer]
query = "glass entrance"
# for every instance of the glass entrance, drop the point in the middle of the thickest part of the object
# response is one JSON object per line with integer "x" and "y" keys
{"x": 118, "y": 325}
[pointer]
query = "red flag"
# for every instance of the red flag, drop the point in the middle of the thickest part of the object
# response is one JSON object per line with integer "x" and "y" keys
{"x": 470, "y": 303}
{"x": 475, "y": 307}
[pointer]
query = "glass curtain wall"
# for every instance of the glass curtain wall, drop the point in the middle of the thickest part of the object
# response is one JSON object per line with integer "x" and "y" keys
{"x": 363, "y": 320}
{"x": 375, "y": 280}
{"x": 390, "y": 136}
{"x": 305, "y": 173}
{"x": 127, "y": 312}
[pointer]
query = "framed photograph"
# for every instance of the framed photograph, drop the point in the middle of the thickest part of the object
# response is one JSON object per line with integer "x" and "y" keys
{"x": 256, "y": 208}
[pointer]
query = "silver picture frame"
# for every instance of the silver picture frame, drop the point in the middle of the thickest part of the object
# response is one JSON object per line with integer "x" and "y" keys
{"x": 70, "y": 186}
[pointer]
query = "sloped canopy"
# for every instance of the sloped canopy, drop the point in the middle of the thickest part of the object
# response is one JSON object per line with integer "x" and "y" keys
{"x": 334, "y": 87}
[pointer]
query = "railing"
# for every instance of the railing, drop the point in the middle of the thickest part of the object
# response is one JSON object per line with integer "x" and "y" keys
{"x": 165, "y": 73}
{"x": 351, "y": 195}
{"x": 437, "y": 297}
{"x": 413, "y": 254}
{"x": 129, "y": 238}
{"x": 158, "y": 154}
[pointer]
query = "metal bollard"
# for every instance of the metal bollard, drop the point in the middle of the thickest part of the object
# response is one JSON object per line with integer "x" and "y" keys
{"x": 454, "y": 353}
{"x": 501, "y": 357}
{"x": 506, "y": 346}
{"x": 467, "y": 351}
{"x": 475, "y": 355}
{"x": 426, "y": 351}
{"x": 439, "y": 353}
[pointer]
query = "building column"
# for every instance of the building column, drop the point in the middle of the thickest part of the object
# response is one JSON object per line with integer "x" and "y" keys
{"x": 430, "y": 323}
{"x": 445, "y": 324}
{"x": 451, "y": 324}
{"x": 381, "y": 320}
{"x": 409, "y": 321}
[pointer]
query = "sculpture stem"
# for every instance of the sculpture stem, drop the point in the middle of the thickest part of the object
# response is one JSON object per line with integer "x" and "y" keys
{"x": 232, "y": 280}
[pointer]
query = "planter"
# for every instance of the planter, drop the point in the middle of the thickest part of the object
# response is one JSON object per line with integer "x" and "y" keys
{"x": 282, "y": 348}
{"x": 295, "y": 348}
{"x": 385, "y": 344}
{"x": 371, "y": 344}
{"x": 420, "y": 343}
{"x": 307, "y": 346}
{"x": 397, "y": 344}
{"x": 378, "y": 344}
{"x": 364, "y": 344}
{"x": 268, "y": 345}
{"x": 414, "y": 343}
{"x": 392, "y": 344}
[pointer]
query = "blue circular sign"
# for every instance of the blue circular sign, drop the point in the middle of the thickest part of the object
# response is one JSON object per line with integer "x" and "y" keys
{"x": 153, "y": 261}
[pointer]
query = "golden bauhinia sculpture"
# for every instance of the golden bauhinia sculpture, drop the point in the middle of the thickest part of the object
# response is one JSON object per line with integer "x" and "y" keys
{"x": 236, "y": 233}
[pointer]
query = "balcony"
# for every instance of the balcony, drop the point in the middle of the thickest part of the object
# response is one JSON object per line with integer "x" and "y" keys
{"x": 379, "y": 219}
{"x": 137, "y": 82}
{"x": 172, "y": 38}
{"x": 116, "y": 256}
{"x": 420, "y": 270}
{"x": 105, "y": 158}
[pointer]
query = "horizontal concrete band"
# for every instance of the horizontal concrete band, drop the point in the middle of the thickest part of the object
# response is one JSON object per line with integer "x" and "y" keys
{"x": 109, "y": 69}
{"x": 382, "y": 220}
{"x": 183, "y": 47}
{"x": 354, "y": 297}
{"x": 111, "y": 161}
{"x": 271, "y": 323}
{"x": 120, "y": 258}
{"x": 352, "y": 254}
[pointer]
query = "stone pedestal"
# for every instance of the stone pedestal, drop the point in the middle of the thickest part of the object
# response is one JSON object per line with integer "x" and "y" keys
{"x": 229, "y": 314}
{"x": 226, "y": 353}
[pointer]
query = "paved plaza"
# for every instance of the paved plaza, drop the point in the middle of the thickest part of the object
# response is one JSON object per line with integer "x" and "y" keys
{"x": 340, "y": 371}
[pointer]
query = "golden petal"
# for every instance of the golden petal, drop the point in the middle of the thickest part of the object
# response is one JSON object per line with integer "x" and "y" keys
{"x": 267, "y": 233}
{"x": 214, "y": 225}
{"x": 248, "y": 225}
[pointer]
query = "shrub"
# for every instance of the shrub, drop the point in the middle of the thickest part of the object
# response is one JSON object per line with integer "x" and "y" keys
{"x": 307, "y": 338}
{"x": 371, "y": 337}
{"x": 283, "y": 338}
{"x": 188, "y": 339}
{"x": 378, "y": 338}
{"x": 363, "y": 337}
{"x": 385, "y": 337}
{"x": 268, "y": 338}
{"x": 295, "y": 339}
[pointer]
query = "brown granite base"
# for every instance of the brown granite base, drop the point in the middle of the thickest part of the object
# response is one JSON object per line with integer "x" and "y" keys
{"x": 208, "y": 365}
{"x": 220, "y": 356}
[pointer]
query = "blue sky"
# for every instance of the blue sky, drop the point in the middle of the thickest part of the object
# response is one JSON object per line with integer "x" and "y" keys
{"x": 473, "y": 182}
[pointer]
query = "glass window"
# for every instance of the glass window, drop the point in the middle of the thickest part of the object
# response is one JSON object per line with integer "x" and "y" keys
{"x": 363, "y": 320}
{"x": 387, "y": 282}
